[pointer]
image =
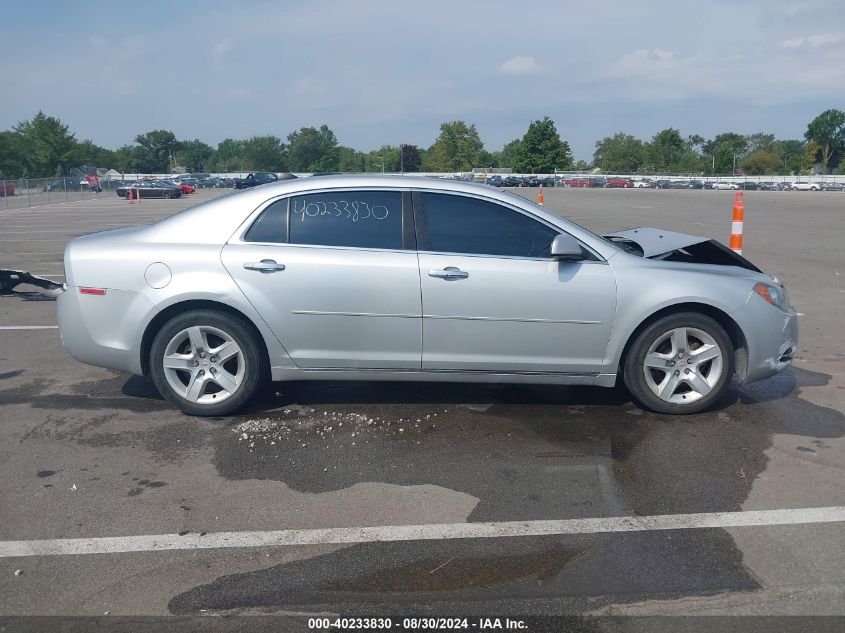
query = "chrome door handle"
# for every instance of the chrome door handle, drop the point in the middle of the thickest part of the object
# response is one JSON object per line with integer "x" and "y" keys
{"x": 264, "y": 266}
{"x": 450, "y": 272}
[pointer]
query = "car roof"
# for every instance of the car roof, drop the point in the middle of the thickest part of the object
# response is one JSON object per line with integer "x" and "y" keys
{"x": 219, "y": 221}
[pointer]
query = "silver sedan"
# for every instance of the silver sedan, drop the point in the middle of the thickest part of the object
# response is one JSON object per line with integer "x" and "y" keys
{"x": 392, "y": 278}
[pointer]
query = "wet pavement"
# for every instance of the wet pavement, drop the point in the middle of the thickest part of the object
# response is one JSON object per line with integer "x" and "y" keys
{"x": 86, "y": 452}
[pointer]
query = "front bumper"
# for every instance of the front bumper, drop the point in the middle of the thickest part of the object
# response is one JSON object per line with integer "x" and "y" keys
{"x": 771, "y": 335}
{"x": 104, "y": 330}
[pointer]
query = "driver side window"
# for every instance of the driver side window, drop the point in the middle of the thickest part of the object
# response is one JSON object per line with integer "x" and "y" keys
{"x": 461, "y": 224}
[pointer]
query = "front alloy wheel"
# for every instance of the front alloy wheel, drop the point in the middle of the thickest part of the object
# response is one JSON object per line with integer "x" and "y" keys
{"x": 679, "y": 364}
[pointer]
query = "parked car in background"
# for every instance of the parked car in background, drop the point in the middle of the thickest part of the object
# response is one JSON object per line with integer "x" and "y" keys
{"x": 541, "y": 181}
{"x": 832, "y": 186}
{"x": 512, "y": 181}
{"x": 6, "y": 188}
{"x": 769, "y": 186}
{"x": 620, "y": 183}
{"x": 186, "y": 188}
{"x": 255, "y": 179}
{"x": 598, "y": 181}
{"x": 577, "y": 182}
{"x": 679, "y": 184}
{"x": 495, "y": 180}
{"x": 644, "y": 183}
{"x": 324, "y": 279}
{"x": 662, "y": 184}
{"x": 805, "y": 186}
{"x": 150, "y": 189}
{"x": 696, "y": 184}
{"x": 749, "y": 185}
{"x": 63, "y": 184}
{"x": 725, "y": 185}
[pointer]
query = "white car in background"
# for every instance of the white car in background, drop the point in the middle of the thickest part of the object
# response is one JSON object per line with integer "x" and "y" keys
{"x": 643, "y": 184}
{"x": 805, "y": 186}
{"x": 725, "y": 185}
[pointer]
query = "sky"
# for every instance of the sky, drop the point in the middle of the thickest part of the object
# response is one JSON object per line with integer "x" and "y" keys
{"x": 389, "y": 72}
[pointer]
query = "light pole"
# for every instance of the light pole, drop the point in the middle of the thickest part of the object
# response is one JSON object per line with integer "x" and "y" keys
{"x": 401, "y": 159}
{"x": 734, "y": 171}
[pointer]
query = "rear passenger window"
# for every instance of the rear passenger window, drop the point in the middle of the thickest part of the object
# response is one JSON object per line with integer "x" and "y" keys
{"x": 363, "y": 219}
{"x": 271, "y": 226}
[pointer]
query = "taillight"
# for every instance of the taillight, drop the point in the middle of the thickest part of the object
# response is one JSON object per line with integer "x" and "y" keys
{"x": 92, "y": 291}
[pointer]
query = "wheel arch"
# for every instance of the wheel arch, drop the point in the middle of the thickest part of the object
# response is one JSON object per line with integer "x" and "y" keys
{"x": 734, "y": 331}
{"x": 171, "y": 311}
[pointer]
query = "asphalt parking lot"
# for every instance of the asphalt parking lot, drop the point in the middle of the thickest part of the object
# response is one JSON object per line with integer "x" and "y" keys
{"x": 88, "y": 453}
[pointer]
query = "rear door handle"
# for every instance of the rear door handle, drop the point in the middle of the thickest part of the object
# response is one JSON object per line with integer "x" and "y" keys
{"x": 450, "y": 272}
{"x": 264, "y": 266}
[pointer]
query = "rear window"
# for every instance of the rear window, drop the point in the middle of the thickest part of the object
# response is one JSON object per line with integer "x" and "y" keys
{"x": 362, "y": 219}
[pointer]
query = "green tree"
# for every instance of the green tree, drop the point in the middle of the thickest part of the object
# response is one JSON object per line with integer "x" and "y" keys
{"x": 581, "y": 165}
{"x": 410, "y": 159}
{"x": 457, "y": 148}
{"x": 128, "y": 159}
{"x": 541, "y": 150}
{"x": 350, "y": 160}
{"x": 723, "y": 148}
{"x": 665, "y": 151}
{"x": 228, "y": 156}
{"x": 314, "y": 150}
{"x": 381, "y": 159}
{"x": 194, "y": 155}
{"x": 762, "y": 161}
{"x": 46, "y": 145}
{"x": 88, "y": 153}
{"x": 791, "y": 154}
{"x": 812, "y": 152}
{"x": 264, "y": 153}
{"x": 620, "y": 153}
{"x": 11, "y": 156}
{"x": 828, "y": 131}
{"x": 760, "y": 141}
{"x": 510, "y": 154}
{"x": 156, "y": 148}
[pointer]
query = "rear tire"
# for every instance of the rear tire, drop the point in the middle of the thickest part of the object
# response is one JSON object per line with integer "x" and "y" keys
{"x": 206, "y": 362}
{"x": 680, "y": 364}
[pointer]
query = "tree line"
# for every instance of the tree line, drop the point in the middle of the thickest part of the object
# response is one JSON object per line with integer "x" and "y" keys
{"x": 44, "y": 146}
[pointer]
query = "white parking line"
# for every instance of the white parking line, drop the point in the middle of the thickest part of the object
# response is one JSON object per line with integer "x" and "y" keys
{"x": 389, "y": 533}
{"x": 29, "y": 327}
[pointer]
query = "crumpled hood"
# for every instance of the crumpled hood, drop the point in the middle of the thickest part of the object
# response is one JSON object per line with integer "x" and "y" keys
{"x": 668, "y": 245}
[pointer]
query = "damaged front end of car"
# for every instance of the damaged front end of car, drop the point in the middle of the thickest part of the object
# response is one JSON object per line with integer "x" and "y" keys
{"x": 678, "y": 247}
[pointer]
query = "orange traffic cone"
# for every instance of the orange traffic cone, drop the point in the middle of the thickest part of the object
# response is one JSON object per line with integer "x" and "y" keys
{"x": 129, "y": 196}
{"x": 736, "y": 225}
{"x": 540, "y": 196}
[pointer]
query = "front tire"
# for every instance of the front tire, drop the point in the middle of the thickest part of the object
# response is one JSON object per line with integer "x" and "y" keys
{"x": 679, "y": 364}
{"x": 206, "y": 362}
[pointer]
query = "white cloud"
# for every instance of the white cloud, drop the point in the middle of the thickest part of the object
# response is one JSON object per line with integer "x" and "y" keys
{"x": 518, "y": 65}
{"x": 814, "y": 41}
{"x": 221, "y": 49}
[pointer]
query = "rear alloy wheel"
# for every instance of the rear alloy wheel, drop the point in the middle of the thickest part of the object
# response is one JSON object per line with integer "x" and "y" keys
{"x": 679, "y": 364}
{"x": 165, "y": 194}
{"x": 206, "y": 362}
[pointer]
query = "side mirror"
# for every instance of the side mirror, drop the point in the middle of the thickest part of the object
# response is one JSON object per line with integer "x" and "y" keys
{"x": 567, "y": 248}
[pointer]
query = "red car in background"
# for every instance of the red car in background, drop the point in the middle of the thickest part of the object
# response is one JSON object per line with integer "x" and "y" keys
{"x": 620, "y": 183}
{"x": 175, "y": 183}
{"x": 6, "y": 189}
{"x": 577, "y": 182}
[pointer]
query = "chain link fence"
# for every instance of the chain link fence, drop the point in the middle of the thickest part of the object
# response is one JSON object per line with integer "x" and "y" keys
{"x": 34, "y": 192}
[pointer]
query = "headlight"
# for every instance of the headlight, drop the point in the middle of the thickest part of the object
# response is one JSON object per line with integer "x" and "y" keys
{"x": 773, "y": 294}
